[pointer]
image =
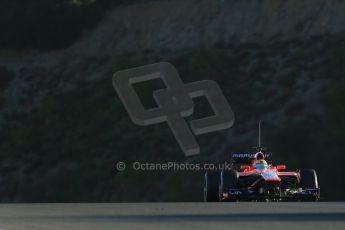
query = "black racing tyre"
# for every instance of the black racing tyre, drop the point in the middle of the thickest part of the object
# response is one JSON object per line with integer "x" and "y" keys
{"x": 228, "y": 180}
{"x": 308, "y": 179}
{"x": 211, "y": 186}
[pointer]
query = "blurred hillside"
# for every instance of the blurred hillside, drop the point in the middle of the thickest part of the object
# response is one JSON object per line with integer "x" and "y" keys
{"x": 63, "y": 128}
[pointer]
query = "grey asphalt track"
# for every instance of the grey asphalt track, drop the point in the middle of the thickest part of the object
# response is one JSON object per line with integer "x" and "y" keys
{"x": 251, "y": 215}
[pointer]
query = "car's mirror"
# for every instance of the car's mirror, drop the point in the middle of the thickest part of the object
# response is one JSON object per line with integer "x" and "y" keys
{"x": 281, "y": 167}
{"x": 245, "y": 167}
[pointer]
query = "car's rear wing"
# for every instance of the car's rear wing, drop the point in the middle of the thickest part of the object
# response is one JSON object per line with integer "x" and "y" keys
{"x": 245, "y": 158}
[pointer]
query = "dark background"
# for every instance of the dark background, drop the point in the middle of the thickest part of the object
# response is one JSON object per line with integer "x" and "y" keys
{"x": 63, "y": 127}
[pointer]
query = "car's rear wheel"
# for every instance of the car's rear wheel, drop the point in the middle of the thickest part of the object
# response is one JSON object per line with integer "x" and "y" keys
{"x": 228, "y": 180}
{"x": 309, "y": 180}
{"x": 211, "y": 186}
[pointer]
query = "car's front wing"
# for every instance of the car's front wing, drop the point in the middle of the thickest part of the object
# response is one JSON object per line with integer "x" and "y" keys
{"x": 293, "y": 195}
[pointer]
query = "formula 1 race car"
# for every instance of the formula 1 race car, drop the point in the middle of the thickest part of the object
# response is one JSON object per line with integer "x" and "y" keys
{"x": 252, "y": 177}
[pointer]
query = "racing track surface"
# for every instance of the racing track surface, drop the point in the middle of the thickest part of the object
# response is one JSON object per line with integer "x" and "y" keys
{"x": 145, "y": 216}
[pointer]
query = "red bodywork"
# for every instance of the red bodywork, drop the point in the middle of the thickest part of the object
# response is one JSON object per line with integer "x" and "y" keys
{"x": 270, "y": 174}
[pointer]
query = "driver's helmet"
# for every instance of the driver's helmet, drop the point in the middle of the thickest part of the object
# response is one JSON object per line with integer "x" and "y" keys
{"x": 260, "y": 164}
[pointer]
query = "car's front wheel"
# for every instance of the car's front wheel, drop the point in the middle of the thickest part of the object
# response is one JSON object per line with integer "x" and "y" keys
{"x": 308, "y": 180}
{"x": 228, "y": 180}
{"x": 211, "y": 185}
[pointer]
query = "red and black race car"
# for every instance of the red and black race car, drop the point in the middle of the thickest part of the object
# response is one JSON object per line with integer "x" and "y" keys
{"x": 253, "y": 177}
